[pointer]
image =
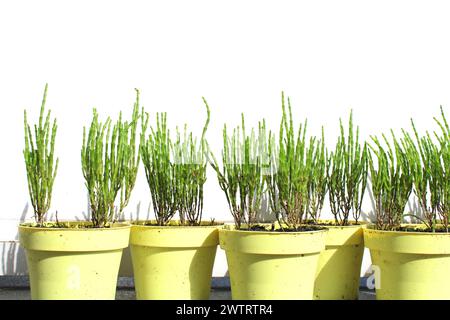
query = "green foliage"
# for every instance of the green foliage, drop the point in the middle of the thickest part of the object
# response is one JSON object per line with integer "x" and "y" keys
{"x": 347, "y": 175}
{"x": 110, "y": 162}
{"x": 242, "y": 174}
{"x": 424, "y": 159}
{"x": 297, "y": 180}
{"x": 318, "y": 181}
{"x": 190, "y": 162}
{"x": 39, "y": 161}
{"x": 176, "y": 172}
{"x": 430, "y": 165}
{"x": 159, "y": 170}
{"x": 392, "y": 181}
{"x": 442, "y": 177}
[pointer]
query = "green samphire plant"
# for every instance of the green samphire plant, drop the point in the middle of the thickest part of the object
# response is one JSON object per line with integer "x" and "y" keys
{"x": 392, "y": 181}
{"x": 41, "y": 166}
{"x": 443, "y": 180}
{"x": 318, "y": 186}
{"x": 422, "y": 165}
{"x": 297, "y": 182}
{"x": 110, "y": 160}
{"x": 241, "y": 177}
{"x": 347, "y": 175}
{"x": 190, "y": 162}
{"x": 430, "y": 167}
{"x": 175, "y": 171}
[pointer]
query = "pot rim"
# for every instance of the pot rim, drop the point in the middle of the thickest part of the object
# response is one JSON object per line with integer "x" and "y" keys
{"x": 79, "y": 240}
{"x": 273, "y": 233}
{"x": 115, "y": 226}
{"x": 371, "y": 229}
{"x": 362, "y": 224}
{"x": 138, "y": 224}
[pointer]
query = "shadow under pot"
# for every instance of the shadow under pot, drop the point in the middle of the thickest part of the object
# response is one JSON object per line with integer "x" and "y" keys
{"x": 79, "y": 263}
{"x": 266, "y": 265}
{"x": 409, "y": 265}
{"x": 173, "y": 262}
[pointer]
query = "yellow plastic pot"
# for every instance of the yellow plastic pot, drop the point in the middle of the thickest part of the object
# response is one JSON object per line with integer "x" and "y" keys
{"x": 173, "y": 262}
{"x": 272, "y": 265}
{"x": 73, "y": 263}
{"x": 339, "y": 269}
{"x": 410, "y": 265}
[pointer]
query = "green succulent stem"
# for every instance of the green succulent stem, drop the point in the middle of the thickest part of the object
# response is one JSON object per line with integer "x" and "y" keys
{"x": 176, "y": 171}
{"x": 40, "y": 163}
{"x": 392, "y": 181}
{"x": 347, "y": 175}
{"x": 110, "y": 161}
{"x": 297, "y": 183}
{"x": 441, "y": 183}
{"x": 430, "y": 167}
{"x": 241, "y": 176}
{"x": 190, "y": 163}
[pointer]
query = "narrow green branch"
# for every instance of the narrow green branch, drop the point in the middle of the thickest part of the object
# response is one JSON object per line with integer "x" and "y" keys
{"x": 39, "y": 161}
{"x": 241, "y": 176}
{"x": 297, "y": 182}
{"x": 110, "y": 161}
{"x": 176, "y": 171}
{"x": 347, "y": 176}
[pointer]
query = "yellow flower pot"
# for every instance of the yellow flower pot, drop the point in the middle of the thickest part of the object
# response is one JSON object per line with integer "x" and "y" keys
{"x": 173, "y": 262}
{"x": 410, "y": 265}
{"x": 339, "y": 269}
{"x": 73, "y": 263}
{"x": 272, "y": 265}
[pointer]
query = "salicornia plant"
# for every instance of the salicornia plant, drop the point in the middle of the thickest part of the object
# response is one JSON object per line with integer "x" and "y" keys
{"x": 39, "y": 161}
{"x": 347, "y": 175}
{"x": 443, "y": 180}
{"x": 241, "y": 177}
{"x": 392, "y": 182}
{"x": 110, "y": 161}
{"x": 176, "y": 172}
{"x": 426, "y": 172}
{"x": 190, "y": 162}
{"x": 297, "y": 181}
{"x": 318, "y": 181}
{"x": 430, "y": 163}
{"x": 156, "y": 152}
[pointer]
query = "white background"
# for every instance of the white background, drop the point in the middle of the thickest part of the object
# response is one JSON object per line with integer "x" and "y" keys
{"x": 388, "y": 60}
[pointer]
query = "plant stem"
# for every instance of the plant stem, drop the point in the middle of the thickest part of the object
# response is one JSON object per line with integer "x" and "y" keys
{"x": 39, "y": 161}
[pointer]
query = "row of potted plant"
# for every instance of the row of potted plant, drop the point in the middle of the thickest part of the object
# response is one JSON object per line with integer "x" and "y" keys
{"x": 297, "y": 256}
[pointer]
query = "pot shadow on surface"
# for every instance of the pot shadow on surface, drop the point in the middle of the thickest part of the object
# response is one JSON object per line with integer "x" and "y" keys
{"x": 13, "y": 258}
{"x": 86, "y": 214}
{"x": 370, "y": 215}
{"x": 14, "y": 261}
{"x": 265, "y": 215}
{"x": 205, "y": 258}
{"x": 126, "y": 264}
{"x": 412, "y": 207}
{"x": 415, "y": 209}
{"x": 138, "y": 213}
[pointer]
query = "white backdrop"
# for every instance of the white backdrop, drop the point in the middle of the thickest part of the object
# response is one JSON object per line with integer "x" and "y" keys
{"x": 388, "y": 60}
